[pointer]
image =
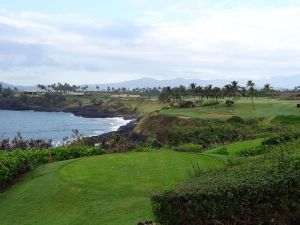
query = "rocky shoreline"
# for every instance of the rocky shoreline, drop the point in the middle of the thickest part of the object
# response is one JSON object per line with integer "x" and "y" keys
{"x": 87, "y": 112}
{"x": 92, "y": 112}
{"x": 125, "y": 131}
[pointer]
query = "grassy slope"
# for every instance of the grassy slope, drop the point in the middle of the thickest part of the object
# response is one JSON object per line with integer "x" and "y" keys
{"x": 238, "y": 146}
{"x": 109, "y": 190}
{"x": 243, "y": 108}
{"x": 143, "y": 105}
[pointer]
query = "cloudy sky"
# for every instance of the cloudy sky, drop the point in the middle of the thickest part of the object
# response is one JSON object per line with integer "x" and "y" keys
{"x": 99, "y": 41}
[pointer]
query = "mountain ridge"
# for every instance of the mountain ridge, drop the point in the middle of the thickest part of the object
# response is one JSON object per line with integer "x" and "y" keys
{"x": 144, "y": 82}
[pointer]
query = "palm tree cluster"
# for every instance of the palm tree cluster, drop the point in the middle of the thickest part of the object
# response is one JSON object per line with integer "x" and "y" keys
{"x": 210, "y": 93}
{"x": 61, "y": 88}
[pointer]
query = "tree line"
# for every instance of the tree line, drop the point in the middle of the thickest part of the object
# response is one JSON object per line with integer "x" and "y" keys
{"x": 210, "y": 93}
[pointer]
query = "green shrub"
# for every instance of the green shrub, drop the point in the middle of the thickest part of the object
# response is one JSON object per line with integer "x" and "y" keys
{"x": 205, "y": 136}
{"x": 221, "y": 151}
{"x": 236, "y": 119}
{"x": 281, "y": 138}
{"x": 288, "y": 119}
{"x": 185, "y": 104}
{"x": 210, "y": 103}
{"x": 264, "y": 190}
{"x": 15, "y": 163}
{"x": 254, "y": 151}
{"x": 189, "y": 147}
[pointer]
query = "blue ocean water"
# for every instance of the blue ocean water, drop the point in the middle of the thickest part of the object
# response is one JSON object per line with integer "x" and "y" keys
{"x": 53, "y": 125}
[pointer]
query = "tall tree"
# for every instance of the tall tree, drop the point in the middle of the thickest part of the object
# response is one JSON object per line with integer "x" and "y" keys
{"x": 268, "y": 91}
{"x": 234, "y": 89}
{"x": 199, "y": 91}
{"x": 228, "y": 90}
{"x": 192, "y": 88}
{"x": 251, "y": 91}
{"x": 166, "y": 95}
{"x": 42, "y": 87}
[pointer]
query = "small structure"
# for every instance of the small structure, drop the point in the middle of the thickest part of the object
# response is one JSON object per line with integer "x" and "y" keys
{"x": 32, "y": 92}
{"x": 298, "y": 105}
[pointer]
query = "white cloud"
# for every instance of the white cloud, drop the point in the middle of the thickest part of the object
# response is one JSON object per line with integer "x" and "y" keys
{"x": 181, "y": 40}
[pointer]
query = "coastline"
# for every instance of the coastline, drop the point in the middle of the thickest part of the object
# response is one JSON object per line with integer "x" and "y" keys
{"x": 87, "y": 111}
{"x": 124, "y": 130}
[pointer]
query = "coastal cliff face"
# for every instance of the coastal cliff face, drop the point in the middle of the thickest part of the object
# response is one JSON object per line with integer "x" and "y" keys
{"x": 110, "y": 108}
{"x": 96, "y": 112}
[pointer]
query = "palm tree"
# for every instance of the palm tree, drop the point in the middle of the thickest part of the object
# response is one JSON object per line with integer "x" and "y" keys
{"x": 42, "y": 87}
{"x": 268, "y": 91}
{"x": 228, "y": 90}
{"x": 192, "y": 88}
{"x": 251, "y": 91}
{"x": 166, "y": 95}
{"x": 207, "y": 91}
{"x": 199, "y": 91}
{"x": 234, "y": 89}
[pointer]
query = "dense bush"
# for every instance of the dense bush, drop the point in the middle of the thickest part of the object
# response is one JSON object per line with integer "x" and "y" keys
{"x": 185, "y": 104}
{"x": 263, "y": 190}
{"x": 281, "y": 138}
{"x": 256, "y": 151}
{"x": 189, "y": 147}
{"x": 211, "y": 103}
{"x": 236, "y": 119}
{"x": 15, "y": 163}
{"x": 221, "y": 151}
{"x": 206, "y": 136}
{"x": 287, "y": 119}
{"x": 173, "y": 131}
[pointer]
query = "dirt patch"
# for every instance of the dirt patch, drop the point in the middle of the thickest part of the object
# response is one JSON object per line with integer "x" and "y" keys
{"x": 221, "y": 114}
{"x": 184, "y": 117}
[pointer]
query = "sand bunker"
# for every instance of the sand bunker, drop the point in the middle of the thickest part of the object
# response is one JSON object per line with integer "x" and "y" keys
{"x": 221, "y": 114}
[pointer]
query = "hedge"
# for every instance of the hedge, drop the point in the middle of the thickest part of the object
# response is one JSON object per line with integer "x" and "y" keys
{"x": 261, "y": 191}
{"x": 16, "y": 163}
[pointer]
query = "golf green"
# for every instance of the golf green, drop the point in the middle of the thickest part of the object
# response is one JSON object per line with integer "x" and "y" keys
{"x": 104, "y": 190}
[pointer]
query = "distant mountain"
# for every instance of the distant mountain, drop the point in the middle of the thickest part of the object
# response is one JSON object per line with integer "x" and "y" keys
{"x": 19, "y": 87}
{"x": 284, "y": 82}
{"x": 280, "y": 82}
{"x": 277, "y": 82}
{"x": 5, "y": 85}
{"x": 150, "y": 82}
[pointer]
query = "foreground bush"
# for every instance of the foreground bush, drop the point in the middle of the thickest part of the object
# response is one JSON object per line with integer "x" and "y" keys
{"x": 19, "y": 143}
{"x": 260, "y": 191}
{"x": 16, "y": 163}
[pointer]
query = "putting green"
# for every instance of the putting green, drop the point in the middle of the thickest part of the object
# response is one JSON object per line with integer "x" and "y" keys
{"x": 110, "y": 189}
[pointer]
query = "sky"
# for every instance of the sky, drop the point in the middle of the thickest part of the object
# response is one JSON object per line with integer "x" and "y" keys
{"x": 103, "y": 41}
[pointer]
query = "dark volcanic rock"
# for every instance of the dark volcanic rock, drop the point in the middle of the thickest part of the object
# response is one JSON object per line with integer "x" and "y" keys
{"x": 125, "y": 131}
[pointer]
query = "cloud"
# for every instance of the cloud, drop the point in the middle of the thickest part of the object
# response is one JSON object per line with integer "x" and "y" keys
{"x": 186, "y": 39}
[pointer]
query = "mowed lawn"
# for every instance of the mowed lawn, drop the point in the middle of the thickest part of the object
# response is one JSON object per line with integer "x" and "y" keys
{"x": 242, "y": 108}
{"x": 104, "y": 190}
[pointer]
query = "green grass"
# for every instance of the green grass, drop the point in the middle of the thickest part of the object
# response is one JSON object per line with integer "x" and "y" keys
{"x": 104, "y": 190}
{"x": 235, "y": 148}
{"x": 243, "y": 108}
